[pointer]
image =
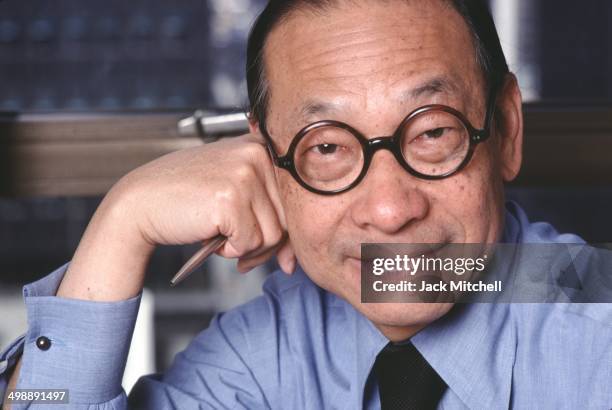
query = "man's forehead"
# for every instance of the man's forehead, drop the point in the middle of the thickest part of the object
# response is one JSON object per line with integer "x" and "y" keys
{"x": 354, "y": 17}
{"x": 411, "y": 49}
{"x": 313, "y": 107}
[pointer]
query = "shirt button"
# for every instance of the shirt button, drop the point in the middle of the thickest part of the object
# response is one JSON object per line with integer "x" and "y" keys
{"x": 43, "y": 343}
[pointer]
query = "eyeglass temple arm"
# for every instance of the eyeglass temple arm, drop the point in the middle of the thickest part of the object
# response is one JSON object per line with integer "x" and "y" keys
{"x": 282, "y": 162}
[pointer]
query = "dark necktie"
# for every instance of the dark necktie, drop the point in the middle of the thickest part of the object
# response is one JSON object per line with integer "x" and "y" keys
{"x": 405, "y": 380}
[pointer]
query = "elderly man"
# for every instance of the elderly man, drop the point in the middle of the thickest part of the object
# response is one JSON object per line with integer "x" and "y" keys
{"x": 372, "y": 121}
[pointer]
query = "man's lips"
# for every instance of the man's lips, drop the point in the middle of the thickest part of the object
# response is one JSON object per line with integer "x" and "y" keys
{"x": 376, "y": 251}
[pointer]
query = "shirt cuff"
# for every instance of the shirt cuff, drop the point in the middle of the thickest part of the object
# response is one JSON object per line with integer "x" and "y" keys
{"x": 86, "y": 344}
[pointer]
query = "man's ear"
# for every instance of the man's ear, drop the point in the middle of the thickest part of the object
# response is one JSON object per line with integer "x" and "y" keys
{"x": 509, "y": 128}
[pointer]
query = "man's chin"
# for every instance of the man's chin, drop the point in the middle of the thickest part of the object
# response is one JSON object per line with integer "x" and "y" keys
{"x": 409, "y": 315}
{"x": 400, "y": 315}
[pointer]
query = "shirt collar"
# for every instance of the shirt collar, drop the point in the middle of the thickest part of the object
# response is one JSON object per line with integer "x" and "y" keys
{"x": 368, "y": 342}
{"x": 472, "y": 348}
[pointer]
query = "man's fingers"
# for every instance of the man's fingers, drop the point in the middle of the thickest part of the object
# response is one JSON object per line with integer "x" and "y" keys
{"x": 269, "y": 222}
{"x": 243, "y": 231}
{"x": 253, "y": 226}
{"x": 249, "y": 210}
{"x": 248, "y": 263}
{"x": 285, "y": 257}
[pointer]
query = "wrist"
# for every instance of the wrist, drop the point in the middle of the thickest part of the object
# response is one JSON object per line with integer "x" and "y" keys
{"x": 111, "y": 260}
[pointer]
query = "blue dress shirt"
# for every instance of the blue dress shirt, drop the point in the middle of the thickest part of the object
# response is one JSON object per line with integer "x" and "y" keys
{"x": 300, "y": 347}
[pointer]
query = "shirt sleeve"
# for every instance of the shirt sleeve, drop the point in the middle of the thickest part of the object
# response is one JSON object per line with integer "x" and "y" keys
{"x": 89, "y": 344}
{"x": 217, "y": 369}
{"x": 77, "y": 345}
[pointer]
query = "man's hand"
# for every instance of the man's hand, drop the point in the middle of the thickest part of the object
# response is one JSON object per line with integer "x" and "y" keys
{"x": 226, "y": 188}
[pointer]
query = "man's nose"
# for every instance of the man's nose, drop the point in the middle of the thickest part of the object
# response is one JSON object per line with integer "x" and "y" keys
{"x": 389, "y": 198}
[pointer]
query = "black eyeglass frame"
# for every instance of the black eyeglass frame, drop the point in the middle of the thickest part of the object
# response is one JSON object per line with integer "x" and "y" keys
{"x": 391, "y": 143}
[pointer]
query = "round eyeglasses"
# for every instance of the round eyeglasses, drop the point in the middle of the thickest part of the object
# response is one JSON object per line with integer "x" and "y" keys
{"x": 330, "y": 157}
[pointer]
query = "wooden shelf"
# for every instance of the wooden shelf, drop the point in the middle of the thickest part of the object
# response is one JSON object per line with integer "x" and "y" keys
{"x": 84, "y": 154}
{"x": 567, "y": 146}
{"x": 70, "y": 155}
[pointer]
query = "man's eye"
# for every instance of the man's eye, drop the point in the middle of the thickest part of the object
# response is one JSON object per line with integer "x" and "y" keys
{"x": 326, "y": 149}
{"x": 435, "y": 133}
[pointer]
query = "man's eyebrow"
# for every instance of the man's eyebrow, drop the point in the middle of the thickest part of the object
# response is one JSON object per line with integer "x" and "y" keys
{"x": 437, "y": 85}
{"x": 313, "y": 108}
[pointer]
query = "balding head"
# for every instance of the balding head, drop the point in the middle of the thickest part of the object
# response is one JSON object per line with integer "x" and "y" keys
{"x": 476, "y": 14}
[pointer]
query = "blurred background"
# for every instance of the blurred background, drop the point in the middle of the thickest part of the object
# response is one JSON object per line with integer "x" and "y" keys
{"x": 90, "y": 90}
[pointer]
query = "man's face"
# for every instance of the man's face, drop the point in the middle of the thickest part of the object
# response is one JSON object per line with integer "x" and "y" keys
{"x": 370, "y": 65}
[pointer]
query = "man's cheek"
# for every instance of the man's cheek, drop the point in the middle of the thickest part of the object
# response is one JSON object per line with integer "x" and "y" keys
{"x": 304, "y": 236}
